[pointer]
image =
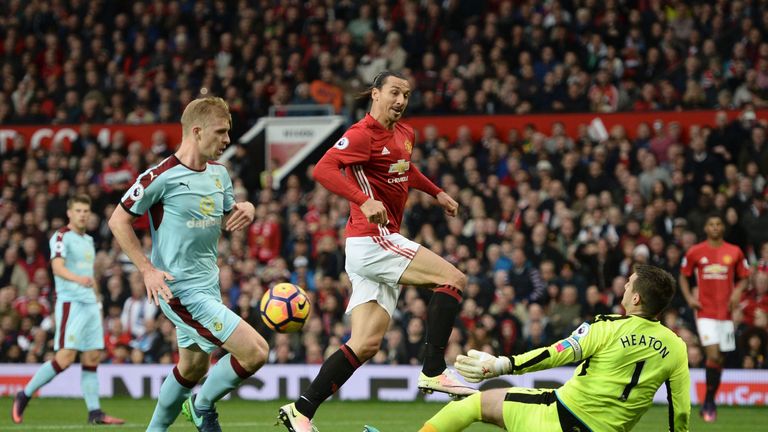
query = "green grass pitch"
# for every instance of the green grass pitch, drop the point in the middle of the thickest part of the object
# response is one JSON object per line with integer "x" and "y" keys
{"x": 334, "y": 416}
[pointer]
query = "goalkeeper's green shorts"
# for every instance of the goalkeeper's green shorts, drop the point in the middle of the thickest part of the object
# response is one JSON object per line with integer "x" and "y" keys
{"x": 538, "y": 410}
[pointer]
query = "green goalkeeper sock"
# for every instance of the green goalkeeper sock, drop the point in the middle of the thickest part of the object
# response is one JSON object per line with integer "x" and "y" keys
{"x": 456, "y": 416}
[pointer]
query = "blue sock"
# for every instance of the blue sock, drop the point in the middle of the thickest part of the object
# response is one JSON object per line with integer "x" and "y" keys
{"x": 89, "y": 384}
{"x": 173, "y": 392}
{"x": 42, "y": 377}
{"x": 226, "y": 375}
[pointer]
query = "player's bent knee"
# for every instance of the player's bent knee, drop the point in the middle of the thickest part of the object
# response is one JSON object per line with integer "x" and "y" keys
{"x": 256, "y": 355}
{"x": 457, "y": 279}
{"x": 195, "y": 374}
{"x": 492, "y": 408}
{"x": 63, "y": 364}
{"x": 64, "y": 359}
{"x": 368, "y": 349}
{"x": 193, "y": 371}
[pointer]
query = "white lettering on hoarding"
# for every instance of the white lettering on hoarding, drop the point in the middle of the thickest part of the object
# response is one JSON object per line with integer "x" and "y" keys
{"x": 45, "y": 135}
{"x": 6, "y": 139}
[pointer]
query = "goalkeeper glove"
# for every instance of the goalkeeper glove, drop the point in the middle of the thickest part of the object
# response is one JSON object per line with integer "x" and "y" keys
{"x": 477, "y": 366}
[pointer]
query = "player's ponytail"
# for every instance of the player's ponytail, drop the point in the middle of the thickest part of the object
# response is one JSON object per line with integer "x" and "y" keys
{"x": 378, "y": 83}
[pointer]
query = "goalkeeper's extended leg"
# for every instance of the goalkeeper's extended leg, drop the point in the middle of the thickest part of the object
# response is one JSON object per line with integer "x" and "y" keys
{"x": 456, "y": 416}
{"x": 484, "y": 407}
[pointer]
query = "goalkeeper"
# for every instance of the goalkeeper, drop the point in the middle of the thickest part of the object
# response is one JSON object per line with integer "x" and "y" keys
{"x": 623, "y": 362}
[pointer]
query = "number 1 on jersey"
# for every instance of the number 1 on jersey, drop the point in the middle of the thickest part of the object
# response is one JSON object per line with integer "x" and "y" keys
{"x": 633, "y": 382}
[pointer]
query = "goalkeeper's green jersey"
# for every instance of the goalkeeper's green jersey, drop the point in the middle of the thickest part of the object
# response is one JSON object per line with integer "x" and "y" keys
{"x": 624, "y": 361}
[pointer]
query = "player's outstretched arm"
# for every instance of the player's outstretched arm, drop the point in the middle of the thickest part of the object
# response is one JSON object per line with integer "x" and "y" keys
{"x": 582, "y": 343}
{"x": 242, "y": 215}
{"x": 477, "y": 366}
{"x": 121, "y": 224}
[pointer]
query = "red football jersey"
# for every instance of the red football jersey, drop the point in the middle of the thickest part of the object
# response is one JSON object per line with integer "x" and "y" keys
{"x": 377, "y": 164}
{"x": 717, "y": 269}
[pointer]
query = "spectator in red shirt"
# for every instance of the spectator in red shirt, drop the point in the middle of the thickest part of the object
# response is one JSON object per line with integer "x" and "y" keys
{"x": 117, "y": 173}
{"x": 115, "y": 337}
{"x": 33, "y": 259}
{"x": 32, "y": 301}
{"x": 264, "y": 237}
{"x": 756, "y": 299}
{"x": 762, "y": 264}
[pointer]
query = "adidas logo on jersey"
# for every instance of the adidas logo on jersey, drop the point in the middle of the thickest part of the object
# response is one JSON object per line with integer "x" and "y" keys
{"x": 385, "y": 151}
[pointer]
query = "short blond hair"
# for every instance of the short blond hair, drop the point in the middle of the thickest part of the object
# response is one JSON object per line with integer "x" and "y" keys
{"x": 200, "y": 111}
{"x": 79, "y": 199}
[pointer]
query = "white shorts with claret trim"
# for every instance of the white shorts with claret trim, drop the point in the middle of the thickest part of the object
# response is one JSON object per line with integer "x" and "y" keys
{"x": 374, "y": 265}
{"x": 717, "y": 332}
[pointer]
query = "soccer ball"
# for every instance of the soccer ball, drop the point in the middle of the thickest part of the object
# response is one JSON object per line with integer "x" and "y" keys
{"x": 284, "y": 308}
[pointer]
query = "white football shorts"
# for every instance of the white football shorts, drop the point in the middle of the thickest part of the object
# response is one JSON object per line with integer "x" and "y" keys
{"x": 374, "y": 265}
{"x": 720, "y": 332}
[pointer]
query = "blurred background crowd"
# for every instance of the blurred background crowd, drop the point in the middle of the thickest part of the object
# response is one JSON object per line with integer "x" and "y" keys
{"x": 550, "y": 223}
{"x": 141, "y": 62}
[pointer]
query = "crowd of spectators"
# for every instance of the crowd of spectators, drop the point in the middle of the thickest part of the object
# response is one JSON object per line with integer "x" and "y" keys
{"x": 142, "y": 61}
{"x": 550, "y": 224}
{"x": 549, "y": 228}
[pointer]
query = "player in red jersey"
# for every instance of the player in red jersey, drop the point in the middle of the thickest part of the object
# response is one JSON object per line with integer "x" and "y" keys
{"x": 375, "y": 154}
{"x": 718, "y": 266}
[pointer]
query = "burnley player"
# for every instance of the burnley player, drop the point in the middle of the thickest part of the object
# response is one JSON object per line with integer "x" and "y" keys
{"x": 375, "y": 154}
{"x": 78, "y": 315}
{"x": 719, "y": 265}
{"x": 624, "y": 361}
{"x": 189, "y": 199}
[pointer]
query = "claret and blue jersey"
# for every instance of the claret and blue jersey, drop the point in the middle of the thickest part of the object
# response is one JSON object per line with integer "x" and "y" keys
{"x": 186, "y": 211}
{"x": 78, "y": 253}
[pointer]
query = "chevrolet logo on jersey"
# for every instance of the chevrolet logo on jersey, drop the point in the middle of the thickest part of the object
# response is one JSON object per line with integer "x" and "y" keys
{"x": 715, "y": 271}
{"x": 400, "y": 167}
{"x": 715, "y": 268}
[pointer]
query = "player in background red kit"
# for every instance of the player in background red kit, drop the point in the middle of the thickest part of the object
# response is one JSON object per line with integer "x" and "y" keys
{"x": 375, "y": 155}
{"x": 718, "y": 266}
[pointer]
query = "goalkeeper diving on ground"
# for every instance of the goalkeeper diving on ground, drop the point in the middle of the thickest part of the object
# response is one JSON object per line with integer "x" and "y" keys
{"x": 623, "y": 360}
